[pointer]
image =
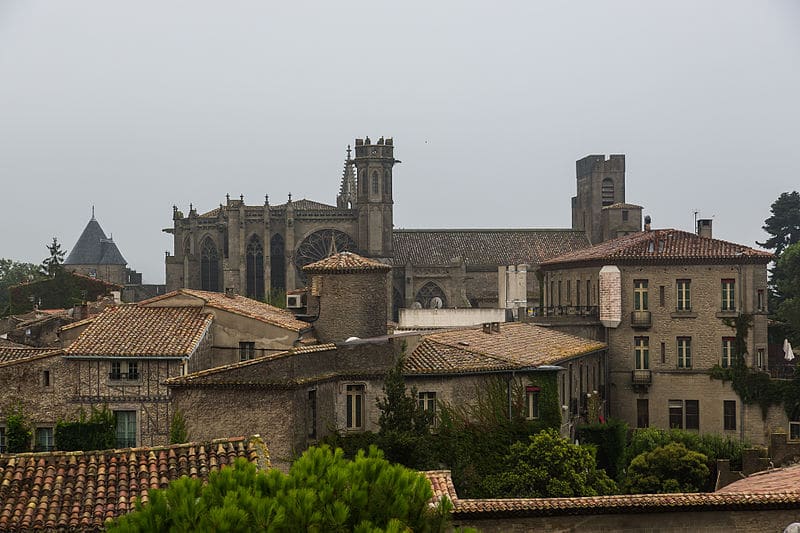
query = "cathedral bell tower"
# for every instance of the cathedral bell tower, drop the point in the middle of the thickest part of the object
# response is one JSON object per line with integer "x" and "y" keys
{"x": 374, "y": 201}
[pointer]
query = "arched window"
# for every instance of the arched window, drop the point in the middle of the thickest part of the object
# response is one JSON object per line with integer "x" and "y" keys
{"x": 255, "y": 268}
{"x": 319, "y": 245}
{"x": 608, "y": 191}
{"x": 431, "y": 296}
{"x": 209, "y": 266}
{"x": 397, "y": 303}
{"x": 375, "y": 182}
{"x": 277, "y": 263}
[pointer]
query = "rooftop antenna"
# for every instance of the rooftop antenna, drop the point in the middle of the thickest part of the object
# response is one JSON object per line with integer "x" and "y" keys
{"x": 696, "y": 212}
{"x": 92, "y": 212}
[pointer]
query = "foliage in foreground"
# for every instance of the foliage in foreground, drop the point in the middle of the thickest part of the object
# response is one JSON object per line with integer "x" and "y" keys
{"x": 18, "y": 431}
{"x": 548, "y": 466}
{"x": 670, "y": 468}
{"x": 98, "y": 432}
{"x": 322, "y": 492}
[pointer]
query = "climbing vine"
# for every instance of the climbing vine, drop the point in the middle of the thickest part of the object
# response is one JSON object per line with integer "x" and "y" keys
{"x": 753, "y": 386}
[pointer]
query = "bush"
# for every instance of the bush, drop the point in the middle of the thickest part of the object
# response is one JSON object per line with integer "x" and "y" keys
{"x": 610, "y": 440}
{"x": 18, "y": 432}
{"x": 97, "y": 433}
{"x": 322, "y": 492}
{"x": 177, "y": 428}
{"x": 670, "y": 468}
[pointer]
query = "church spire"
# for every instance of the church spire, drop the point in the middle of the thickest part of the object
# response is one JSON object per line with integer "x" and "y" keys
{"x": 347, "y": 189}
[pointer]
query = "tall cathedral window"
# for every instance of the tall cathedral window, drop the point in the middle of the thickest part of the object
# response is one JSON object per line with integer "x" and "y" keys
{"x": 375, "y": 182}
{"x": 209, "y": 266}
{"x": 608, "y": 191}
{"x": 277, "y": 263}
{"x": 255, "y": 268}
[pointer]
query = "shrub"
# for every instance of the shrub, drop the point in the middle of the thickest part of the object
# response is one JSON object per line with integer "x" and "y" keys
{"x": 670, "y": 468}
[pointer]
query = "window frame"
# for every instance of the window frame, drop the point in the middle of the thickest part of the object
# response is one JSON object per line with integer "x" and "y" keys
{"x": 49, "y": 433}
{"x": 694, "y": 414}
{"x": 247, "y": 350}
{"x": 683, "y": 295}
{"x": 729, "y": 415}
{"x": 354, "y": 406}
{"x": 532, "y": 402}
{"x": 126, "y": 438}
{"x": 640, "y": 295}
{"x": 642, "y": 415}
{"x": 728, "y": 352}
{"x": 728, "y": 293}
{"x": 675, "y": 414}
{"x": 684, "y": 352}
{"x": 641, "y": 352}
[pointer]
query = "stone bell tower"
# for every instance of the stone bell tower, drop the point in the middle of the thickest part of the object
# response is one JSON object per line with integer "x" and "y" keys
{"x": 374, "y": 164}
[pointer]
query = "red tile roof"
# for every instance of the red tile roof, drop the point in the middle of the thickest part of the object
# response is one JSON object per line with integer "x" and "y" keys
{"x": 344, "y": 263}
{"x": 661, "y": 246}
{"x": 131, "y": 330}
{"x": 516, "y": 345}
{"x": 11, "y": 355}
{"x": 239, "y": 305}
{"x": 441, "y": 484}
{"x": 71, "y": 491}
{"x": 779, "y": 480}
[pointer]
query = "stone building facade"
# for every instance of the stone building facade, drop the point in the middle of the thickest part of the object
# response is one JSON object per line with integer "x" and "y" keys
{"x": 664, "y": 300}
{"x": 255, "y": 249}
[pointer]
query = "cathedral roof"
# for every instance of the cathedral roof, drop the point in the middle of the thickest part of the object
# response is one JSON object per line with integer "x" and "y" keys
{"x": 345, "y": 262}
{"x": 484, "y": 247}
{"x": 301, "y": 205}
{"x": 662, "y": 245}
{"x": 94, "y": 248}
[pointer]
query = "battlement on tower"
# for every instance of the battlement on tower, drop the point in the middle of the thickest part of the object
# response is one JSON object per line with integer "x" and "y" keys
{"x": 601, "y": 163}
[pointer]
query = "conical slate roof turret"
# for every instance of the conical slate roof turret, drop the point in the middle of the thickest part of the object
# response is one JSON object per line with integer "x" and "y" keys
{"x": 94, "y": 248}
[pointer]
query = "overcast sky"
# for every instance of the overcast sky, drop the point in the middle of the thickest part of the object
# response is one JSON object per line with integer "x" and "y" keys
{"x": 133, "y": 107}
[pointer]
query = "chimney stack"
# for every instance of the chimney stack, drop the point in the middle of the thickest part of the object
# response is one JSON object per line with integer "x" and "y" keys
{"x": 647, "y": 223}
{"x": 704, "y": 228}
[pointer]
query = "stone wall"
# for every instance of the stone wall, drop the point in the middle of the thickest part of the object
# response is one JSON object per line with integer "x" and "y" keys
{"x": 351, "y": 305}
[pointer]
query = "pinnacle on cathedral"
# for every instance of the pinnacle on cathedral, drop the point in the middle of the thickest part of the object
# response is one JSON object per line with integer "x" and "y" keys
{"x": 347, "y": 191}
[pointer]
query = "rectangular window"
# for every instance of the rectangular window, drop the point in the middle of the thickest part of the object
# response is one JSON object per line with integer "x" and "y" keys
{"x": 663, "y": 352}
{"x": 578, "y": 293}
{"x": 126, "y": 428}
{"x": 794, "y": 430}
{"x": 133, "y": 370}
{"x": 247, "y": 350}
{"x": 675, "y": 414}
{"x": 559, "y": 293}
{"x": 692, "y": 414}
{"x": 760, "y": 302}
{"x": 728, "y": 351}
{"x": 684, "y": 352}
{"x": 3, "y": 440}
{"x": 729, "y": 415}
{"x": 427, "y": 402}
{"x": 728, "y": 291}
{"x": 640, "y": 295}
{"x": 46, "y": 378}
{"x": 684, "y": 297}
{"x": 552, "y": 294}
{"x": 641, "y": 347}
{"x": 116, "y": 370}
{"x": 355, "y": 407}
{"x": 44, "y": 439}
{"x": 760, "y": 359}
{"x": 661, "y": 293}
{"x": 642, "y": 413}
{"x": 624, "y": 215}
{"x": 312, "y": 414}
{"x": 588, "y": 292}
{"x": 532, "y": 403}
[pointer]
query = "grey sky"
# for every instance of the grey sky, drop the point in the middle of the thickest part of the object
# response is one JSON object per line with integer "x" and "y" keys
{"x": 136, "y": 106}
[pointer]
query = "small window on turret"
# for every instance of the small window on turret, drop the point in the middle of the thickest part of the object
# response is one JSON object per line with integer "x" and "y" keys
{"x": 375, "y": 182}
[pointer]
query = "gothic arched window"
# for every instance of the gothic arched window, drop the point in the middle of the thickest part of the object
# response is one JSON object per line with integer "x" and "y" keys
{"x": 431, "y": 296}
{"x": 319, "y": 245}
{"x": 277, "y": 263}
{"x": 209, "y": 266}
{"x": 375, "y": 182}
{"x": 608, "y": 191}
{"x": 255, "y": 268}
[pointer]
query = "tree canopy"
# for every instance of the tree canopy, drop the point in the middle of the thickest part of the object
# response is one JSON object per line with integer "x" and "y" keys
{"x": 669, "y": 468}
{"x": 786, "y": 291}
{"x": 51, "y": 265}
{"x": 13, "y": 273}
{"x": 322, "y": 492}
{"x": 784, "y": 224}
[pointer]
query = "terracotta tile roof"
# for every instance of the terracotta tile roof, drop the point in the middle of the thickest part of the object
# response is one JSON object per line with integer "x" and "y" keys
{"x": 12, "y": 355}
{"x": 217, "y": 373}
{"x": 514, "y": 346}
{"x": 345, "y": 262}
{"x": 779, "y": 480}
{"x": 663, "y": 245}
{"x": 78, "y": 323}
{"x": 488, "y": 247}
{"x": 131, "y": 330}
{"x": 5, "y": 343}
{"x": 239, "y": 305}
{"x": 441, "y": 483}
{"x": 79, "y": 491}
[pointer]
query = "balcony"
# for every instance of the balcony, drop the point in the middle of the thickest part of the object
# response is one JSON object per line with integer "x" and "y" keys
{"x": 640, "y": 319}
{"x": 641, "y": 376}
{"x": 573, "y": 311}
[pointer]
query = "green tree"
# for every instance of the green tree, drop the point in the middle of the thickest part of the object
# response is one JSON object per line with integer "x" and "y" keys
{"x": 98, "y": 432}
{"x": 322, "y": 492}
{"x": 784, "y": 224}
{"x": 18, "y": 431}
{"x": 548, "y": 466}
{"x": 669, "y": 468}
{"x": 177, "y": 428}
{"x": 51, "y": 266}
{"x": 786, "y": 292}
{"x": 14, "y": 273}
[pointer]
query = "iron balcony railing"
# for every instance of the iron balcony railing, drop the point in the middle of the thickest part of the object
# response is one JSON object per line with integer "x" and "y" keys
{"x": 640, "y": 319}
{"x": 641, "y": 376}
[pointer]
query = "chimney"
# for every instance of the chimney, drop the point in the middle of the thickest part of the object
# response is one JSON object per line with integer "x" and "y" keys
{"x": 230, "y": 292}
{"x": 647, "y": 223}
{"x": 704, "y": 228}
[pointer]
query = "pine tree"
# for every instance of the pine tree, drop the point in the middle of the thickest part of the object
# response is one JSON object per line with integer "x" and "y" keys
{"x": 784, "y": 224}
{"x": 51, "y": 266}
